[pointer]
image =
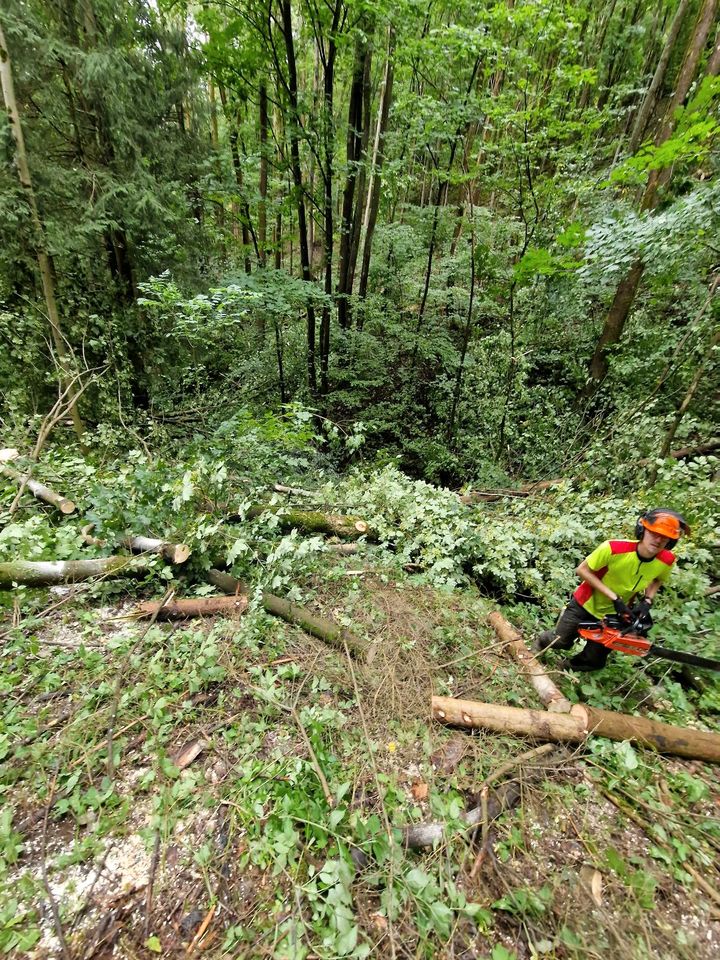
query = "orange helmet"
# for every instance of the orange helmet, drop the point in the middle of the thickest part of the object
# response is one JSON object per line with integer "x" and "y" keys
{"x": 665, "y": 522}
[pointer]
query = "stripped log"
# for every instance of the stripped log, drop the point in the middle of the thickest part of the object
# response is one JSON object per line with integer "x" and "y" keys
{"x": 193, "y": 607}
{"x": 320, "y": 627}
{"x": 576, "y": 726}
{"x": 41, "y": 573}
{"x": 554, "y": 700}
{"x": 39, "y": 490}
{"x": 313, "y": 521}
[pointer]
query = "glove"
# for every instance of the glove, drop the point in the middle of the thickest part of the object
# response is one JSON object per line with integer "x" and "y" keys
{"x": 642, "y": 616}
{"x": 622, "y": 609}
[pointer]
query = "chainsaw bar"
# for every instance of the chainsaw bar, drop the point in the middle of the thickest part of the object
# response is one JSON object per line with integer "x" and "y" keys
{"x": 624, "y": 641}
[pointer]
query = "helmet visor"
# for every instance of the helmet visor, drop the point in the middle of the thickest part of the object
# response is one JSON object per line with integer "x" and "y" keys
{"x": 664, "y": 524}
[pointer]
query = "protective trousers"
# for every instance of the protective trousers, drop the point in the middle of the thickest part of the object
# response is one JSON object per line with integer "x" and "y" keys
{"x": 565, "y": 633}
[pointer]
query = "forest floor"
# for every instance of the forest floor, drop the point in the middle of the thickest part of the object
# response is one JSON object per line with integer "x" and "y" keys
{"x": 210, "y": 831}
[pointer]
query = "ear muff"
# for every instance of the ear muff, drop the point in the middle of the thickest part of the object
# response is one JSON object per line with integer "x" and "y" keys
{"x": 652, "y": 515}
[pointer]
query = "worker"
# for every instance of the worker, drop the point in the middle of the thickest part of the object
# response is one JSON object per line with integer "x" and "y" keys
{"x": 619, "y": 577}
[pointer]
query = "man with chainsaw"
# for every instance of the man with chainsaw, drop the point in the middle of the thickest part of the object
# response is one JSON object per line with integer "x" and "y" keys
{"x": 621, "y": 578}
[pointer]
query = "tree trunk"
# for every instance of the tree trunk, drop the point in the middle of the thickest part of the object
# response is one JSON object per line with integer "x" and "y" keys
{"x": 41, "y": 250}
{"x": 319, "y": 627}
{"x": 354, "y": 151}
{"x": 175, "y": 553}
{"x": 373, "y": 201}
{"x": 42, "y": 573}
{"x": 298, "y": 183}
{"x": 40, "y": 491}
{"x": 554, "y": 700}
{"x": 313, "y": 521}
{"x": 193, "y": 607}
{"x": 262, "y": 205}
{"x": 651, "y": 97}
{"x": 580, "y": 723}
{"x": 328, "y": 178}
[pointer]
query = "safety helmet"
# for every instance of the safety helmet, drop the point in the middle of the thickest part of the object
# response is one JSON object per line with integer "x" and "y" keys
{"x": 666, "y": 522}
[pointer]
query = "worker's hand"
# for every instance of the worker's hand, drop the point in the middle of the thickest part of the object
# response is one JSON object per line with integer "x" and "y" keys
{"x": 622, "y": 609}
{"x": 641, "y": 615}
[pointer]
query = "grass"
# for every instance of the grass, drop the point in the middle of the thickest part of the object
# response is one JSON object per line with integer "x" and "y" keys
{"x": 241, "y": 854}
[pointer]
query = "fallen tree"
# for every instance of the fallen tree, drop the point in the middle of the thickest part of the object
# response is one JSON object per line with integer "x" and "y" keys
{"x": 312, "y": 521}
{"x": 551, "y": 696}
{"x": 320, "y": 627}
{"x": 500, "y": 493}
{"x": 175, "y": 553}
{"x": 184, "y": 608}
{"x": 39, "y": 490}
{"x": 45, "y": 573}
{"x": 578, "y": 725}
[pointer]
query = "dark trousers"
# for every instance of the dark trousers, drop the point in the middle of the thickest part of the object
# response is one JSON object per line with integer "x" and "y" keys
{"x": 565, "y": 633}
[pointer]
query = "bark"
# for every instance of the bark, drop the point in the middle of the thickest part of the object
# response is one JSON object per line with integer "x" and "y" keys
{"x": 554, "y": 700}
{"x": 298, "y": 184}
{"x": 320, "y": 627}
{"x": 263, "y": 181}
{"x": 314, "y": 521}
{"x": 45, "y": 265}
{"x": 193, "y": 607}
{"x": 40, "y": 490}
{"x": 353, "y": 152}
{"x": 44, "y": 573}
{"x": 651, "y": 97}
{"x": 579, "y": 724}
{"x": 625, "y": 295}
{"x": 175, "y": 553}
{"x": 373, "y": 201}
{"x": 328, "y": 177}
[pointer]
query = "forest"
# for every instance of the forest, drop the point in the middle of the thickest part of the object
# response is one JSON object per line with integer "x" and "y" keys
{"x": 336, "y": 334}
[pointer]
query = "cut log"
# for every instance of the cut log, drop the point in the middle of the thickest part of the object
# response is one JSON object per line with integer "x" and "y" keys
{"x": 554, "y": 700}
{"x": 9, "y": 453}
{"x": 193, "y": 607}
{"x": 581, "y": 722}
{"x": 314, "y": 521}
{"x": 175, "y": 553}
{"x": 320, "y": 627}
{"x": 537, "y": 724}
{"x": 663, "y": 737}
{"x": 40, "y": 573}
{"x": 40, "y": 491}
{"x": 526, "y": 490}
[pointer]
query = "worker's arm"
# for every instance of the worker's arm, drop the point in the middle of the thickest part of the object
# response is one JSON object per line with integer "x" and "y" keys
{"x": 651, "y": 589}
{"x": 588, "y": 575}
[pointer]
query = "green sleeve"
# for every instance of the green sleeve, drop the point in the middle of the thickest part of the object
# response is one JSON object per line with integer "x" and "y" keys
{"x": 600, "y": 557}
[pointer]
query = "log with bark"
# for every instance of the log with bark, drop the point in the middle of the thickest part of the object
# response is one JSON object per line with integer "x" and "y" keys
{"x": 184, "y": 608}
{"x": 39, "y": 490}
{"x": 578, "y": 725}
{"x": 42, "y": 573}
{"x": 320, "y": 627}
{"x": 314, "y": 521}
{"x": 554, "y": 699}
{"x": 527, "y": 489}
{"x": 175, "y": 553}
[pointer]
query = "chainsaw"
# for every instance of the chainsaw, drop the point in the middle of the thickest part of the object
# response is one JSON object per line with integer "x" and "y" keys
{"x": 630, "y": 637}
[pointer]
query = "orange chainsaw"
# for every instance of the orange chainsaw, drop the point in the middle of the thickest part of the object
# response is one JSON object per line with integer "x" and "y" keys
{"x": 629, "y": 637}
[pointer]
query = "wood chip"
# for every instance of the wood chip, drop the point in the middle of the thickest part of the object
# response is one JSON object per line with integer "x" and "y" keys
{"x": 189, "y": 752}
{"x": 446, "y": 759}
{"x": 419, "y": 790}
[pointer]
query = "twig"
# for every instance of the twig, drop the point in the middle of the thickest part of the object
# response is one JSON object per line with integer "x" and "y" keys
{"x": 313, "y": 758}
{"x": 709, "y": 889}
{"x": 202, "y": 928}
{"x": 516, "y": 761}
{"x": 120, "y": 679}
{"x": 43, "y": 864}
{"x": 151, "y": 882}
